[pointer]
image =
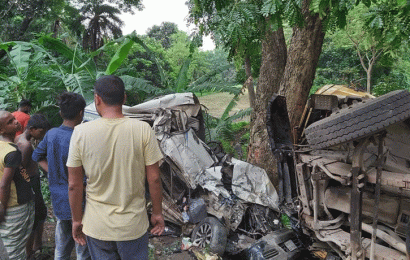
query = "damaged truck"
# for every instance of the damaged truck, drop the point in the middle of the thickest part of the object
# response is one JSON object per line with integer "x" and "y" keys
{"x": 344, "y": 172}
{"x": 223, "y": 204}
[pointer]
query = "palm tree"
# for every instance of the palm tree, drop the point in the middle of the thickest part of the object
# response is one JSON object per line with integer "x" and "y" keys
{"x": 102, "y": 21}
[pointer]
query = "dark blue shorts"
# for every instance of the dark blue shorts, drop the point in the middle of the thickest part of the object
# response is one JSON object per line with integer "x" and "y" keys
{"x": 133, "y": 249}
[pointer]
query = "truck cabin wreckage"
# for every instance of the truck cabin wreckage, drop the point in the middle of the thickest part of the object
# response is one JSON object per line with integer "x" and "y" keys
{"x": 346, "y": 180}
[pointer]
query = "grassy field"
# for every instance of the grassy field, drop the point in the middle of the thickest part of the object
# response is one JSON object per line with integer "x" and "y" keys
{"x": 217, "y": 103}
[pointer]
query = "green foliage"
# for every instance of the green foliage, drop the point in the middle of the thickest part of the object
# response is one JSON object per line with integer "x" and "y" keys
{"x": 127, "y": 6}
{"x": 78, "y": 59}
{"x": 178, "y": 53}
{"x": 20, "y": 20}
{"x": 338, "y": 65}
{"x": 238, "y": 28}
{"x": 40, "y": 75}
{"x": 389, "y": 22}
{"x": 45, "y": 191}
{"x": 333, "y": 12}
{"x": 163, "y": 33}
{"x": 228, "y": 129}
{"x": 102, "y": 22}
{"x": 119, "y": 56}
{"x": 387, "y": 86}
{"x": 27, "y": 70}
{"x": 191, "y": 72}
{"x": 230, "y": 135}
{"x": 285, "y": 220}
{"x": 315, "y": 88}
{"x": 151, "y": 252}
{"x": 141, "y": 62}
{"x": 140, "y": 90}
{"x": 376, "y": 32}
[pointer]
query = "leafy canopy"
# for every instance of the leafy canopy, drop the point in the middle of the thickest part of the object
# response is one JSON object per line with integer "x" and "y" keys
{"x": 126, "y": 6}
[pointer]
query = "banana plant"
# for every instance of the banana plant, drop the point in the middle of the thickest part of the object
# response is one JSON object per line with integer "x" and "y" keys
{"x": 25, "y": 70}
{"x": 221, "y": 128}
{"x": 47, "y": 66}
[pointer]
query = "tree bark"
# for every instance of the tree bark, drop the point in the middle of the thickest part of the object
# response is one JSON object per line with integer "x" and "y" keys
{"x": 249, "y": 81}
{"x": 273, "y": 64}
{"x": 289, "y": 73}
{"x": 303, "y": 57}
{"x": 369, "y": 78}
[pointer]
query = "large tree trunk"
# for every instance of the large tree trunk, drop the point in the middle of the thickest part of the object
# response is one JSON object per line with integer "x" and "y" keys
{"x": 249, "y": 81}
{"x": 271, "y": 72}
{"x": 303, "y": 56}
{"x": 292, "y": 72}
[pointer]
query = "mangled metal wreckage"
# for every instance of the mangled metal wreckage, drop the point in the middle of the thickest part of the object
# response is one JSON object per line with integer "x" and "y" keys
{"x": 230, "y": 205}
{"x": 347, "y": 178}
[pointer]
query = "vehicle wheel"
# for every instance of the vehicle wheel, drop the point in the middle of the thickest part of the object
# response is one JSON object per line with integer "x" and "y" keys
{"x": 210, "y": 233}
{"x": 360, "y": 120}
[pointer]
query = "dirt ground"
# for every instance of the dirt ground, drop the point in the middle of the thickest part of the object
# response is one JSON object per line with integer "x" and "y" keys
{"x": 161, "y": 248}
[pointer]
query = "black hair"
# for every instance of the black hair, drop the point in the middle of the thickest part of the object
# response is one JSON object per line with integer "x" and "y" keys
{"x": 111, "y": 89}
{"x": 25, "y": 103}
{"x": 38, "y": 121}
{"x": 71, "y": 104}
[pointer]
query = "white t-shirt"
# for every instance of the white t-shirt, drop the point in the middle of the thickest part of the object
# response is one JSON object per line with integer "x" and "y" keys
{"x": 114, "y": 153}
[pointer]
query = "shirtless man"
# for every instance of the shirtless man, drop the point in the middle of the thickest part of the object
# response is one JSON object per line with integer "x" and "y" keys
{"x": 36, "y": 128}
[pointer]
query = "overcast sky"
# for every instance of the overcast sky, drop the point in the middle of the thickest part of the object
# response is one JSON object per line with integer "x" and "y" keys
{"x": 156, "y": 12}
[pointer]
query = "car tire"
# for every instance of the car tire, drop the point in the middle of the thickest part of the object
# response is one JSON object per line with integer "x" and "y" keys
{"x": 360, "y": 120}
{"x": 210, "y": 232}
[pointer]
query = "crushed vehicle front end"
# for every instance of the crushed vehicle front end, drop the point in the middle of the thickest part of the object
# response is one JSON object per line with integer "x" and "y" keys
{"x": 346, "y": 178}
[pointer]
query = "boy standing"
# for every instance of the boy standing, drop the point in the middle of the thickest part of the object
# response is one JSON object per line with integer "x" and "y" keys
{"x": 51, "y": 154}
{"x": 36, "y": 128}
{"x": 16, "y": 204}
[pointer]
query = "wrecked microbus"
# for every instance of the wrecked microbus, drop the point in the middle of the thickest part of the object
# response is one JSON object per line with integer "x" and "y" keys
{"x": 225, "y": 204}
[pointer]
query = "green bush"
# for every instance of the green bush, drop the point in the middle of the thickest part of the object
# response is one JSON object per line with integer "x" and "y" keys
{"x": 390, "y": 83}
{"x": 234, "y": 134}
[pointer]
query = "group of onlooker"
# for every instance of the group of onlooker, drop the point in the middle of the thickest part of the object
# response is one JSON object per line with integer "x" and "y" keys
{"x": 96, "y": 173}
